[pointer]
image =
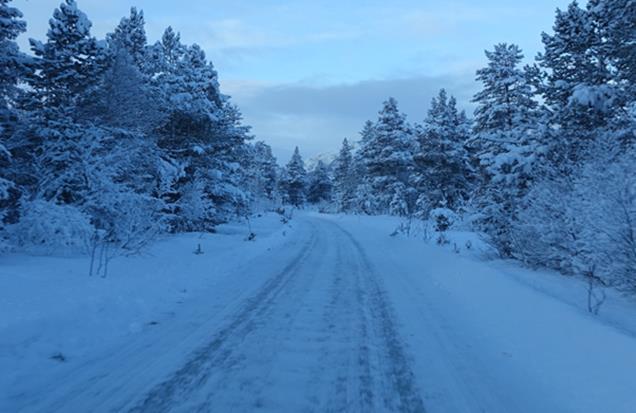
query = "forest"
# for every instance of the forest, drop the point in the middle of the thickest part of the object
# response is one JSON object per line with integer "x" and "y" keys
{"x": 106, "y": 144}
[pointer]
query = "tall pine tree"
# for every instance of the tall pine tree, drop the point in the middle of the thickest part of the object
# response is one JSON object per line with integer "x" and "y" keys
{"x": 294, "y": 180}
{"x": 504, "y": 128}
{"x": 345, "y": 179}
{"x": 388, "y": 160}
{"x": 443, "y": 173}
{"x": 319, "y": 184}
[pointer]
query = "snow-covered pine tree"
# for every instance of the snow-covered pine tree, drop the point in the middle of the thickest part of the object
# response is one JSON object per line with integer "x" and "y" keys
{"x": 387, "y": 159}
{"x": 442, "y": 172}
{"x": 202, "y": 134}
{"x": 227, "y": 161}
{"x": 130, "y": 35}
{"x": 68, "y": 63}
{"x": 569, "y": 219}
{"x": 580, "y": 89}
{"x": 345, "y": 179}
{"x": 319, "y": 188}
{"x": 67, "y": 66}
{"x": 615, "y": 23}
{"x": 124, "y": 98}
{"x": 264, "y": 171}
{"x": 294, "y": 180}
{"x": 14, "y": 67}
{"x": 504, "y": 133}
{"x": 366, "y": 135}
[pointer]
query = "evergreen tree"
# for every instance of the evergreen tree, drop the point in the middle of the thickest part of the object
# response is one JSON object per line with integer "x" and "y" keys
{"x": 569, "y": 219}
{"x": 320, "y": 185}
{"x": 345, "y": 179}
{"x": 130, "y": 35}
{"x": 294, "y": 180}
{"x": 14, "y": 67}
{"x": 264, "y": 170}
{"x": 616, "y": 22}
{"x": 388, "y": 158}
{"x": 367, "y": 135}
{"x": 226, "y": 161}
{"x": 203, "y": 133}
{"x": 67, "y": 66}
{"x": 504, "y": 127}
{"x": 443, "y": 172}
{"x": 68, "y": 63}
{"x": 123, "y": 98}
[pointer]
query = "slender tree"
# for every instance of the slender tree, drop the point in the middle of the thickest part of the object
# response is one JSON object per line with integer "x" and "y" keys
{"x": 294, "y": 180}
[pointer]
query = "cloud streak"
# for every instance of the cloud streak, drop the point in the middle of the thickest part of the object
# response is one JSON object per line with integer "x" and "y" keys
{"x": 317, "y": 118}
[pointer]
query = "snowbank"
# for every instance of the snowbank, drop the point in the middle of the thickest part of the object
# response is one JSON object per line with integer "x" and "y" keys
{"x": 53, "y": 316}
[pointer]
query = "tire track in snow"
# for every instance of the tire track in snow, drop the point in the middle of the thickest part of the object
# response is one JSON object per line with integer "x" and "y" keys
{"x": 194, "y": 374}
{"x": 367, "y": 366}
{"x": 347, "y": 385}
{"x": 397, "y": 372}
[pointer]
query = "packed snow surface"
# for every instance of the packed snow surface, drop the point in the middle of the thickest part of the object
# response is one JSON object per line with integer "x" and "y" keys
{"x": 326, "y": 313}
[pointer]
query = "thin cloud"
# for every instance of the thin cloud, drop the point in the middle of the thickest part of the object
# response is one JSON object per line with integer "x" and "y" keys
{"x": 318, "y": 118}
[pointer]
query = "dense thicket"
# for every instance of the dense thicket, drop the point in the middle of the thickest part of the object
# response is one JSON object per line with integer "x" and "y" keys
{"x": 113, "y": 141}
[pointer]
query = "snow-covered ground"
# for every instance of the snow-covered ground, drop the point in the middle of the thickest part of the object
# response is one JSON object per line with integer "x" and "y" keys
{"x": 328, "y": 313}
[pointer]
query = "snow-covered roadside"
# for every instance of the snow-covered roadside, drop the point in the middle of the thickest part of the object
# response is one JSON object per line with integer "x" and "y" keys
{"x": 618, "y": 310}
{"x": 54, "y": 317}
{"x": 485, "y": 335}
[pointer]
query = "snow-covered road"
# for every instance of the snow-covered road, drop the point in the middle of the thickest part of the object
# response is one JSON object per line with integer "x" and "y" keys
{"x": 319, "y": 335}
{"x": 341, "y": 318}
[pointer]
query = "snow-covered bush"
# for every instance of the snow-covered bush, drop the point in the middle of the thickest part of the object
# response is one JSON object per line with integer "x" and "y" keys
{"x": 546, "y": 230}
{"x": 607, "y": 211}
{"x": 443, "y": 218}
{"x": 398, "y": 205}
{"x": 584, "y": 224}
{"x": 47, "y": 228}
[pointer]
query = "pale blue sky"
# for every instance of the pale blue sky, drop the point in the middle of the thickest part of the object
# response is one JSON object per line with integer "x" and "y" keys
{"x": 311, "y": 72}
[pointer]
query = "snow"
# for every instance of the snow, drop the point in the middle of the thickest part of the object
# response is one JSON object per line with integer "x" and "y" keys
{"x": 326, "y": 313}
{"x": 600, "y": 97}
{"x": 490, "y": 336}
{"x": 50, "y": 306}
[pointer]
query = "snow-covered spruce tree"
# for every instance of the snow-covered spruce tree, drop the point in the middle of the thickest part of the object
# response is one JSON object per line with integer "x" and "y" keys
{"x": 442, "y": 167}
{"x": 293, "y": 181}
{"x": 388, "y": 160}
{"x": 319, "y": 188}
{"x": 504, "y": 134}
{"x": 345, "y": 179}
